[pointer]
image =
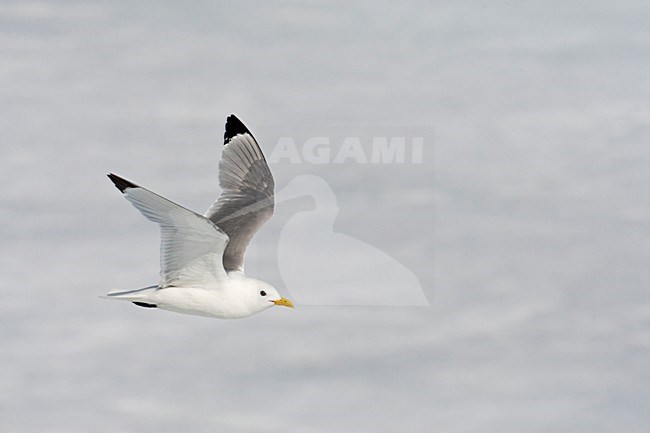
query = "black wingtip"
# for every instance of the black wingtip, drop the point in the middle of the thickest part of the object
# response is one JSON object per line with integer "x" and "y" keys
{"x": 145, "y": 304}
{"x": 234, "y": 127}
{"x": 121, "y": 183}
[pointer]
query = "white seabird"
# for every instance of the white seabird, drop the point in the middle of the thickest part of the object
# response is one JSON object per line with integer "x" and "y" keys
{"x": 202, "y": 257}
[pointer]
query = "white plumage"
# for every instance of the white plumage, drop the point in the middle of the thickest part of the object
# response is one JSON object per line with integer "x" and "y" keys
{"x": 201, "y": 258}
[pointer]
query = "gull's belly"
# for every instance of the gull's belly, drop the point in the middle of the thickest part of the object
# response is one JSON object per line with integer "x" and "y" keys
{"x": 201, "y": 302}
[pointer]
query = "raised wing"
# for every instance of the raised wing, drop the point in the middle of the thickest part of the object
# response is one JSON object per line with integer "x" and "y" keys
{"x": 246, "y": 200}
{"x": 191, "y": 245}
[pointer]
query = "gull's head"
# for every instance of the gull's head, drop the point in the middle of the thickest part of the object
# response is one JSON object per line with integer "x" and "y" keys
{"x": 263, "y": 295}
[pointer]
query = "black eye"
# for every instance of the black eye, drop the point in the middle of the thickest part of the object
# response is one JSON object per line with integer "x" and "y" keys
{"x": 263, "y": 293}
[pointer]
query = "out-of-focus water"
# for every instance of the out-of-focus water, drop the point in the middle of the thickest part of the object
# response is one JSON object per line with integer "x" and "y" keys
{"x": 525, "y": 224}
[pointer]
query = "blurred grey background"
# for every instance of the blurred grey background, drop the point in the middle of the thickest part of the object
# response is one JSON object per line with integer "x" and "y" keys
{"x": 526, "y": 224}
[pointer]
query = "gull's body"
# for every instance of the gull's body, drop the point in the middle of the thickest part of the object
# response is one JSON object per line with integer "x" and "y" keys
{"x": 202, "y": 257}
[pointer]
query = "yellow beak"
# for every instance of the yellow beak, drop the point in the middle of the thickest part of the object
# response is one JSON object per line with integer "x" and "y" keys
{"x": 284, "y": 302}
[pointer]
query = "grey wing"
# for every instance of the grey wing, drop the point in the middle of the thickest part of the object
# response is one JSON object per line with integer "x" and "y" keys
{"x": 246, "y": 200}
{"x": 191, "y": 245}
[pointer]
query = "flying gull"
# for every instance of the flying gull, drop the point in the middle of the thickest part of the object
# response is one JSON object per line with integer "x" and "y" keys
{"x": 202, "y": 257}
